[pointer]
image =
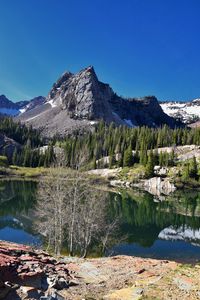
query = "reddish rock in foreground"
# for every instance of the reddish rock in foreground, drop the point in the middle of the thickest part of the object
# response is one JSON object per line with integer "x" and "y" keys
{"x": 20, "y": 266}
{"x": 33, "y": 274}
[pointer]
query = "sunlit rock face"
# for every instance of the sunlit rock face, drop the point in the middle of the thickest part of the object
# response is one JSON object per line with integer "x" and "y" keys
{"x": 80, "y": 100}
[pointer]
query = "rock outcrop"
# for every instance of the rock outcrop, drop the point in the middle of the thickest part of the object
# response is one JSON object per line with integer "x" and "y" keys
{"x": 32, "y": 274}
{"x": 157, "y": 186}
{"x": 80, "y": 100}
{"x": 8, "y": 145}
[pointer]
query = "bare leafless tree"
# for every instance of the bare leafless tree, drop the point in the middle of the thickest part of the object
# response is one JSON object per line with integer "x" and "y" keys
{"x": 70, "y": 209}
{"x": 51, "y": 209}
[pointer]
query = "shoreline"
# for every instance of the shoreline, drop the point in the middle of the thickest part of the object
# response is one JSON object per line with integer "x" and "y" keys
{"x": 156, "y": 185}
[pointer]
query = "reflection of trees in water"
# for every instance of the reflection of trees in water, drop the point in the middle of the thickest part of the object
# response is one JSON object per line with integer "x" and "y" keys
{"x": 16, "y": 196}
{"x": 143, "y": 219}
{"x": 17, "y": 201}
{"x": 70, "y": 211}
{"x": 74, "y": 214}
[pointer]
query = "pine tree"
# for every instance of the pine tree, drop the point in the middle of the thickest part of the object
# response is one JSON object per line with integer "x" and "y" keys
{"x": 193, "y": 168}
{"x": 27, "y": 154}
{"x": 172, "y": 158}
{"x": 161, "y": 161}
{"x": 14, "y": 157}
{"x": 128, "y": 157}
{"x": 143, "y": 157}
{"x": 111, "y": 160}
{"x": 149, "y": 170}
{"x": 94, "y": 163}
{"x": 186, "y": 172}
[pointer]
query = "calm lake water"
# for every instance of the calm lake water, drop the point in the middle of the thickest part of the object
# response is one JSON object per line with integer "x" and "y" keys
{"x": 147, "y": 227}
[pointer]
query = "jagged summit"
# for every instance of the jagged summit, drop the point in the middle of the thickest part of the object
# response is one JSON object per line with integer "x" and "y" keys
{"x": 5, "y": 101}
{"x": 81, "y": 95}
{"x": 80, "y": 100}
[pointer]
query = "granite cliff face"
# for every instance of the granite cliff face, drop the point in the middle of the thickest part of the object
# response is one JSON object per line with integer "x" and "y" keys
{"x": 79, "y": 100}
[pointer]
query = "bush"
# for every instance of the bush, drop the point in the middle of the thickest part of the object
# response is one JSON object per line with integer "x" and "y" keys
{"x": 3, "y": 161}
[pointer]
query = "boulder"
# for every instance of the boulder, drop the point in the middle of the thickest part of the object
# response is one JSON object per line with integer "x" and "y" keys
{"x": 158, "y": 186}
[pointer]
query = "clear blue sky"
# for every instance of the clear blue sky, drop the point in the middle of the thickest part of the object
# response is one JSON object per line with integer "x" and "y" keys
{"x": 140, "y": 47}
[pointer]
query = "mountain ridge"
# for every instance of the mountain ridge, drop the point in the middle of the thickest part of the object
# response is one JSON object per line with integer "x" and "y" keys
{"x": 10, "y": 108}
{"x": 78, "y": 101}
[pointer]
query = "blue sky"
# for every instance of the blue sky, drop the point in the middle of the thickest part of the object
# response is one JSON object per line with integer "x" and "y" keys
{"x": 140, "y": 47}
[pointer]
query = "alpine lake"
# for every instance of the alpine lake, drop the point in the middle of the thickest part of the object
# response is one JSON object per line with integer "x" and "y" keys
{"x": 167, "y": 229}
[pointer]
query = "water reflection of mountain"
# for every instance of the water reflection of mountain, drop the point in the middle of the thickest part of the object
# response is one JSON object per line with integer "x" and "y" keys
{"x": 142, "y": 219}
{"x": 183, "y": 233}
{"x": 17, "y": 200}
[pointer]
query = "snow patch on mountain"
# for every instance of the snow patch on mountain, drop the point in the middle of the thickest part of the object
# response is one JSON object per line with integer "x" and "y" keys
{"x": 52, "y": 103}
{"x": 22, "y": 110}
{"x": 10, "y": 108}
{"x": 187, "y": 112}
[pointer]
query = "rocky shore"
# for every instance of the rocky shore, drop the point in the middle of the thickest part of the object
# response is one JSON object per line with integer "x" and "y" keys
{"x": 33, "y": 274}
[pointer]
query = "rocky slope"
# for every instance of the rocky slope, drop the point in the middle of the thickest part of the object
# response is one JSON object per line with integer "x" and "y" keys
{"x": 187, "y": 112}
{"x": 10, "y": 108}
{"x": 79, "y": 100}
{"x": 33, "y": 274}
{"x": 8, "y": 145}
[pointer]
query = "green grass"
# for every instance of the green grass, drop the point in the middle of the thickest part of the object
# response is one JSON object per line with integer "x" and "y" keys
{"x": 23, "y": 171}
{"x": 132, "y": 174}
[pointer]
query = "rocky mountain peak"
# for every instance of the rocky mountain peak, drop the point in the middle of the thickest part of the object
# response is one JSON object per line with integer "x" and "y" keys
{"x": 80, "y": 100}
{"x": 6, "y": 103}
{"x": 81, "y": 94}
{"x": 3, "y": 97}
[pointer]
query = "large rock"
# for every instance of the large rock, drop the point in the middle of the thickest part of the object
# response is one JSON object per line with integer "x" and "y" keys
{"x": 158, "y": 186}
